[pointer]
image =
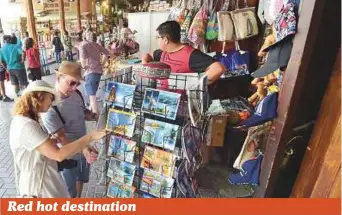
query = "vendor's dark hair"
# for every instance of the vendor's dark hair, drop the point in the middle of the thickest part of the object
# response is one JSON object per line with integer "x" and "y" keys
{"x": 29, "y": 43}
{"x": 170, "y": 29}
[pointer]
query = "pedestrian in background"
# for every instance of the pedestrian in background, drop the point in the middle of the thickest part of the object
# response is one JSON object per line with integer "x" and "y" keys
{"x": 68, "y": 46}
{"x": 33, "y": 60}
{"x": 57, "y": 43}
{"x": 13, "y": 57}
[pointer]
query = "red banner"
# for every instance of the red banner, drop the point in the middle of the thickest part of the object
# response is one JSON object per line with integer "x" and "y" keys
{"x": 172, "y": 206}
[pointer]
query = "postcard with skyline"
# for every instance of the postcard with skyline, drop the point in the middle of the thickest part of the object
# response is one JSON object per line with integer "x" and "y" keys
{"x": 121, "y": 95}
{"x": 161, "y": 103}
{"x": 121, "y": 122}
{"x": 159, "y": 161}
{"x": 121, "y": 171}
{"x": 156, "y": 184}
{"x": 121, "y": 148}
{"x": 120, "y": 190}
{"x": 160, "y": 134}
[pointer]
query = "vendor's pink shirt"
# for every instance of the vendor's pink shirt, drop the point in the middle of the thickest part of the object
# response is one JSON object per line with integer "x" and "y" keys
{"x": 91, "y": 52}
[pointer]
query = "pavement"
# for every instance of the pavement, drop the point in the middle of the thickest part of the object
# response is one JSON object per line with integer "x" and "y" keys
{"x": 7, "y": 179}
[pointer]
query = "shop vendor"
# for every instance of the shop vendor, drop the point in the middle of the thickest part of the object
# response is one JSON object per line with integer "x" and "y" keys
{"x": 180, "y": 57}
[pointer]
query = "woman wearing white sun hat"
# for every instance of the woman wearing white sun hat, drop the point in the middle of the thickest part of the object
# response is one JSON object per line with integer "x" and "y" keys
{"x": 35, "y": 152}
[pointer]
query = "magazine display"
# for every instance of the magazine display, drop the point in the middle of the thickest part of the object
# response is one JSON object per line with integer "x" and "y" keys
{"x": 156, "y": 184}
{"x": 121, "y": 122}
{"x": 121, "y": 148}
{"x": 121, "y": 171}
{"x": 159, "y": 161}
{"x": 119, "y": 190}
{"x": 161, "y": 103}
{"x": 121, "y": 95}
{"x": 160, "y": 134}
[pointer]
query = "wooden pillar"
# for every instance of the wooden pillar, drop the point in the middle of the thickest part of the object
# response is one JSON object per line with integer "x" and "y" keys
{"x": 78, "y": 14}
{"x": 31, "y": 21}
{"x": 61, "y": 15}
{"x": 93, "y": 10}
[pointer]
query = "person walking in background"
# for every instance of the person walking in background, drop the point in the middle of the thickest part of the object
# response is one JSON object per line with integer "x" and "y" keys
{"x": 33, "y": 60}
{"x": 68, "y": 46}
{"x": 13, "y": 57}
{"x": 3, "y": 96}
{"x": 26, "y": 35}
{"x": 35, "y": 152}
{"x": 57, "y": 43}
{"x": 90, "y": 56}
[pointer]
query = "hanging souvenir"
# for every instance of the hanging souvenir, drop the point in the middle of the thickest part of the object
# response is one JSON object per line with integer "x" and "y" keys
{"x": 245, "y": 23}
{"x": 225, "y": 23}
{"x": 175, "y": 12}
{"x": 212, "y": 27}
{"x": 198, "y": 26}
{"x": 185, "y": 27}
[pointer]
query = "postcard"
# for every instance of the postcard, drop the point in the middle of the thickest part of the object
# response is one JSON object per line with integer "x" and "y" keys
{"x": 191, "y": 142}
{"x": 121, "y": 122}
{"x": 184, "y": 182}
{"x": 121, "y": 95}
{"x": 156, "y": 184}
{"x": 147, "y": 196}
{"x": 161, "y": 103}
{"x": 121, "y": 148}
{"x": 160, "y": 134}
{"x": 121, "y": 171}
{"x": 119, "y": 190}
{"x": 159, "y": 161}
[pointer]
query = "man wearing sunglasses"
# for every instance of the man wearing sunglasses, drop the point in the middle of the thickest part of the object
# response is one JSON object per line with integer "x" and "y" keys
{"x": 180, "y": 57}
{"x": 66, "y": 122}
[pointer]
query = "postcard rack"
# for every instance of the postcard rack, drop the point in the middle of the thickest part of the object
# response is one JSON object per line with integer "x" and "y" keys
{"x": 154, "y": 148}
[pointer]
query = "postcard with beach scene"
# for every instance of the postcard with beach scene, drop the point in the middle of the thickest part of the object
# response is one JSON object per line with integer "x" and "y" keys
{"x": 121, "y": 122}
{"x": 121, "y": 95}
{"x": 121, "y": 148}
{"x": 159, "y": 161}
{"x": 120, "y": 190}
{"x": 121, "y": 171}
{"x": 161, "y": 103}
{"x": 156, "y": 184}
{"x": 160, "y": 134}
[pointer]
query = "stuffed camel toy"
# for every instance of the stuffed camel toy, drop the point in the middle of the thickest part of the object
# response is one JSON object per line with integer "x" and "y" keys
{"x": 262, "y": 83}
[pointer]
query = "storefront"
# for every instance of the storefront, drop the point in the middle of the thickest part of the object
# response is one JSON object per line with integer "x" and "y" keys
{"x": 283, "y": 145}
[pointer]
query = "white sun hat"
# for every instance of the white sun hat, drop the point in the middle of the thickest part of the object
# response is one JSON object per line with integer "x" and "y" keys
{"x": 42, "y": 86}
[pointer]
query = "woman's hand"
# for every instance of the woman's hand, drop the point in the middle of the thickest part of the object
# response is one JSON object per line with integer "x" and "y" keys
{"x": 97, "y": 135}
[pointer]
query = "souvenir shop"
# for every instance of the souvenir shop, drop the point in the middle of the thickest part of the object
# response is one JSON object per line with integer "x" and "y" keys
{"x": 175, "y": 136}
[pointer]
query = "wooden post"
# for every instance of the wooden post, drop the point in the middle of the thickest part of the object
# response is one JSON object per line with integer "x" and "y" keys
{"x": 78, "y": 14}
{"x": 31, "y": 21}
{"x": 94, "y": 11}
{"x": 61, "y": 15}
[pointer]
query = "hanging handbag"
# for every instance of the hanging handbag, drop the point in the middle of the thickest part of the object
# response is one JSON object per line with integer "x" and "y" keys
{"x": 212, "y": 27}
{"x": 245, "y": 22}
{"x": 30, "y": 195}
{"x": 175, "y": 12}
{"x": 185, "y": 27}
{"x": 225, "y": 24}
{"x": 236, "y": 62}
{"x": 198, "y": 26}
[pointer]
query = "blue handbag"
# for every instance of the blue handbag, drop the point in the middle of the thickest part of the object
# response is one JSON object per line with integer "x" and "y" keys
{"x": 236, "y": 62}
{"x": 249, "y": 174}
